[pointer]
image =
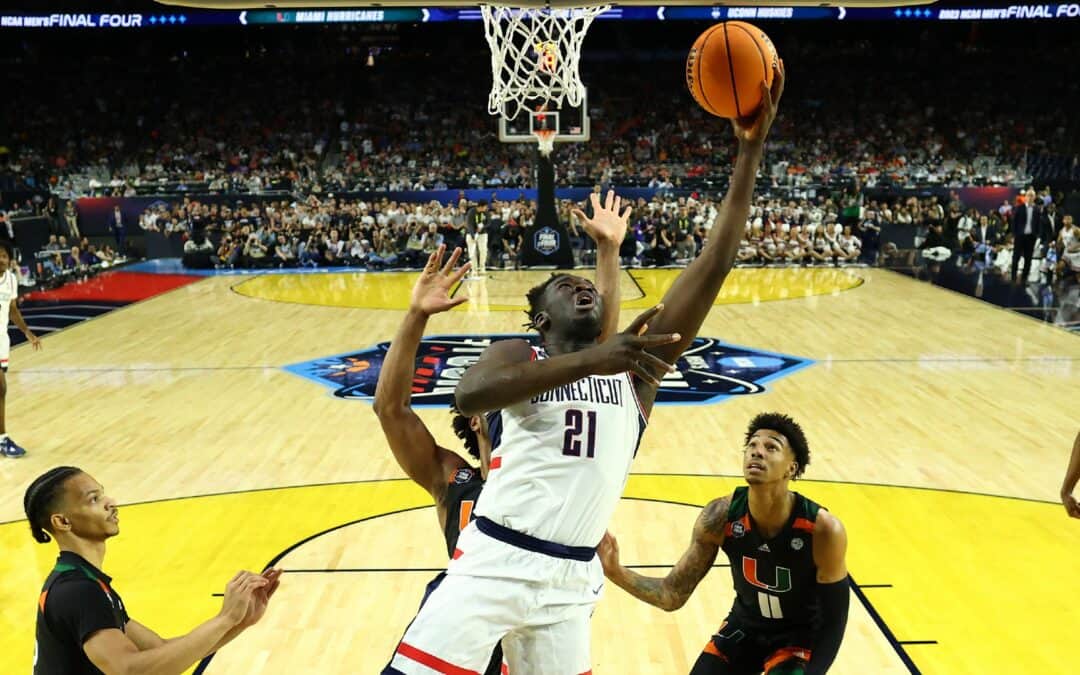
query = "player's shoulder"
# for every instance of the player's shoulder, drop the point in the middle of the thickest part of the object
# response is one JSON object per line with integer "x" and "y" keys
{"x": 828, "y": 527}
{"x": 514, "y": 349}
{"x": 713, "y": 519}
{"x": 72, "y": 590}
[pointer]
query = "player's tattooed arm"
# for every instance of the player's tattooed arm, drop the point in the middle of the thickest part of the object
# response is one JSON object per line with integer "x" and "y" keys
{"x": 671, "y": 592}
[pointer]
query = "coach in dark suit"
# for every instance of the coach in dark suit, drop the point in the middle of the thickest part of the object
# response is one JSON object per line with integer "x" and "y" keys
{"x": 1049, "y": 223}
{"x": 1025, "y": 226}
{"x": 116, "y": 225}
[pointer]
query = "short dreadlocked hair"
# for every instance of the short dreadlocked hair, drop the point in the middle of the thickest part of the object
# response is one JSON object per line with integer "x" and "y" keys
{"x": 41, "y": 499}
{"x": 463, "y": 430}
{"x": 791, "y": 431}
{"x": 535, "y": 296}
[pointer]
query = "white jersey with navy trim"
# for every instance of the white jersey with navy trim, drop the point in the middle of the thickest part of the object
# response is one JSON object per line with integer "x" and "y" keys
{"x": 9, "y": 292}
{"x": 560, "y": 460}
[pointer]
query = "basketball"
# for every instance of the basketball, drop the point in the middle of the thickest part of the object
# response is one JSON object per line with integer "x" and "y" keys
{"x": 726, "y": 66}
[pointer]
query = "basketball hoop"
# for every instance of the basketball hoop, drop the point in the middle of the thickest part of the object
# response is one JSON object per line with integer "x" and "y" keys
{"x": 545, "y": 140}
{"x": 535, "y": 54}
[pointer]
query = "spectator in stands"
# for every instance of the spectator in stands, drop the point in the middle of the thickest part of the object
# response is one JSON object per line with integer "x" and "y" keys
{"x": 199, "y": 252}
{"x": 432, "y": 240}
{"x": 683, "y": 234}
{"x": 107, "y": 255}
{"x": 118, "y": 227}
{"x": 334, "y": 247}
{"x": 385, "y": 252}
{"x": 72, "y": 219}
{"x": 255, "y": 252}
{"x": 227, "y": 252}
{"x": 284, "y": 251}
{"x": 513, "y": 238}
{"x": 308, "y": 253}
{"x": 73, "y": 261}
{"x": 412, "y": 254}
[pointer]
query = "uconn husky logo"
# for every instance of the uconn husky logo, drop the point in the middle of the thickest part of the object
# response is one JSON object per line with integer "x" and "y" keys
{"x": 709, "y": 371}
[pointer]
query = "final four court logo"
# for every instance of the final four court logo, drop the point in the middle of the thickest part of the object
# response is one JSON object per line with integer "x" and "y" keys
{"x": 709, "y": 371}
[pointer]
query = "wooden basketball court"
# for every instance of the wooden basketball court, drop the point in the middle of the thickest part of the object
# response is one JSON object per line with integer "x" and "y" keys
{"x": 939, "y": 427}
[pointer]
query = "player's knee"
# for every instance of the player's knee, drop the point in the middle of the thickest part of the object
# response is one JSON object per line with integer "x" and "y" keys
{"x": 788, "y": 667}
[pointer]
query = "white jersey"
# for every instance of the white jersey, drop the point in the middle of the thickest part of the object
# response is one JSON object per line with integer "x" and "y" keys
{"x": 560, "y": 460}
{"x": 9, "y": 292}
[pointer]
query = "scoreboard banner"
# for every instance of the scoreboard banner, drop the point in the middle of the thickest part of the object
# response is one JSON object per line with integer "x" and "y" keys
{"x": 262, "y": 17}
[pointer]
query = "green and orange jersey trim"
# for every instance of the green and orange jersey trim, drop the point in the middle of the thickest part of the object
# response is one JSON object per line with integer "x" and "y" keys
{"x": 65, "y": 567}
{"x": 739, "y": 512}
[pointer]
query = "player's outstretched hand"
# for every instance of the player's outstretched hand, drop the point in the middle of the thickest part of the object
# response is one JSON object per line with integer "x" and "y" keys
{"x": 260, "y": 599}
{"x": 239, "y": 594}
{"x": 607, "y": 225}
{"x": 35, "y": 341}
{"x": 1072, "y": 507}
{"x": 431, "y": 294}
{"x": 608, "y": 550}
{"x": 626, "y": 352}
{"x": 755, "y": 129}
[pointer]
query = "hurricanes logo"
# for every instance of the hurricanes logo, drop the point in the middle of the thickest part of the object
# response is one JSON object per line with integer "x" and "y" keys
{"x": 709, "y": 371}
{"x": 750, "y": 573}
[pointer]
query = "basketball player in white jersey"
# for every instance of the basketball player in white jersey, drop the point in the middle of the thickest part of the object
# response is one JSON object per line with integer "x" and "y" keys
{"x": 570, "y": 418}
{"x": 9, "y": 309}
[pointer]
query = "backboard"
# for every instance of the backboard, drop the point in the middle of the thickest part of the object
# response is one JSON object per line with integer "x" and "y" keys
{"x": 570, "y": 123}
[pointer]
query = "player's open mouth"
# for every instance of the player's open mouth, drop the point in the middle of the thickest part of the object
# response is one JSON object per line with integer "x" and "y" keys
{"x": 585, "y": 300}
{"x": 755, "y": 465}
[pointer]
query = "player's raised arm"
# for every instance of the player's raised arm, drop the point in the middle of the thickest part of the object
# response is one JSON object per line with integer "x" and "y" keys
{"x": 607, "y": 228}
{"x": 830, "y": 548}
{"x": 1072, "y": 474}
{"x": 691, "y": 296}
{"x": 671, "y": 592}
{"x": 508, "y": 372}
{"x": 414, "y": 448}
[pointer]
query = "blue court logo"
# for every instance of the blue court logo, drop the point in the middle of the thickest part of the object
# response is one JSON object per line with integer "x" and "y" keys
{"x": 546, "y": 240}
{"x": 709, "y": 371}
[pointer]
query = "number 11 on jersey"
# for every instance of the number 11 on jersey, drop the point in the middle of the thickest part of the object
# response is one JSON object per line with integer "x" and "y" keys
{"x": 579, "y": 423}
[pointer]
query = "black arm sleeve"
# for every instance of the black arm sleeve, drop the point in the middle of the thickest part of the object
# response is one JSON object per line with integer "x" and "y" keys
{"x": 82, "y": 608}
{"x": 834, "y": 600}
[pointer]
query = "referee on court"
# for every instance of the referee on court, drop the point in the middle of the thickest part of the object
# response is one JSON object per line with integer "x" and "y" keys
{"x": 82, "y": 624}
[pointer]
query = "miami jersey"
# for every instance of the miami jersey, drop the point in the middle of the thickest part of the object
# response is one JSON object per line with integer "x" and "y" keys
{"x": 561, "y": 459}
{"x": 775, "y": 579}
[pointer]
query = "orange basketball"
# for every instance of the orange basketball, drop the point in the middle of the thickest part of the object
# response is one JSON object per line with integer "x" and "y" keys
{"x": 726, "y": 66}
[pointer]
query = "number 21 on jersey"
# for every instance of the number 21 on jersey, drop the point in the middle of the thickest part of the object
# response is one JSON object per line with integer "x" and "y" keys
{"x": 580, "y": 430}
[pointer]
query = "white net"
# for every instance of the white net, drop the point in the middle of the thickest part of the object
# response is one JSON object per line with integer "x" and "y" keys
{"x": 535, "y": 54}
{"x": 545, "y": 140}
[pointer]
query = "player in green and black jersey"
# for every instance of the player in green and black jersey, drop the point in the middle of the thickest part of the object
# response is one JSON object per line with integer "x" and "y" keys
{"x": 83, "y": 627}
{"x": 787, "y": 564}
